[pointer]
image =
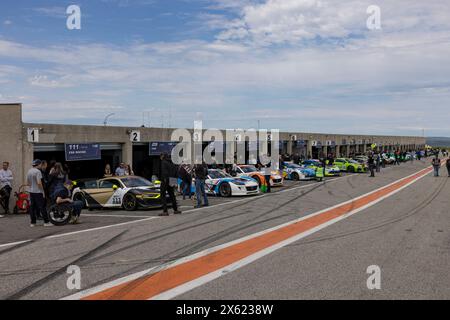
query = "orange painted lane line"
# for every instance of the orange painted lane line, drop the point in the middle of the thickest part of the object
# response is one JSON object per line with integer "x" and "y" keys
{"x": 154, "y": 284}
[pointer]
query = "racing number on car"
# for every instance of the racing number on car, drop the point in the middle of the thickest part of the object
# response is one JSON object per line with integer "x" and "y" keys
{"x": 116, "y": 200}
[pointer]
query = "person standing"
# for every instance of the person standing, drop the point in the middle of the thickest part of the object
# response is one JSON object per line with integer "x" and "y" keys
{"x": 436, "y": 163}
{"x": 37, "y": 196}
{"x": 185, "y": 174}
{"x": 378, "y": 162}
{"x": 121, "y": 170}
{"x": 167, "y": 171}
{"x": 128, "y": 170}
{"x": 107, "y": 172}
{"x": 267, "y": 171}
{"x": 201, "y": 174}
{"x": 57, "y": 176}
{"x": 6, "y": 178}
{"x": 371, "y": 163}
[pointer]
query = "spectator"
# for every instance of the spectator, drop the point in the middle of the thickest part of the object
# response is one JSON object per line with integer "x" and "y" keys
{"x": 45, "y": 177}
{"x": 201, "y": 174}
{"x": 267, "y": 171}
{"x": 37, "y": 196}
{"x": 447, "y": 164}
{"x": 62, "y": 195}
{"x": 436, "y": 163}
{"x": 185, "y": 174}
{"x": 168, "y": 172}
{"x": 371, "y": 163}
{"x": 107, "y": 173}
{"x": 378, "y": 162}
{"x": 121, "y": 170}
{"x": 57, "y": 176}
{"x": 6, "y": 178}
{"x": 128, "y": 170}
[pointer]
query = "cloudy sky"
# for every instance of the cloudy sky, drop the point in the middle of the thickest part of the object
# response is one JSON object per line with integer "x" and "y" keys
{"x": 303, "y": 65}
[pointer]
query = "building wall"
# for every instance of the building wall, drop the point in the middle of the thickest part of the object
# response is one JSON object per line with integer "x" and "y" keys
{"x": 11, "y": 142}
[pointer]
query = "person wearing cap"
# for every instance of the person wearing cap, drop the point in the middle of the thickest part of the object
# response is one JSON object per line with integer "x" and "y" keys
{"x": 37, "y": 194}
{"x": 62, "y": 195}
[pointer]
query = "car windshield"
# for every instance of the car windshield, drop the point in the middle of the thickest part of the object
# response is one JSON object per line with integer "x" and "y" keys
{"x": 248, "y": 169}
{"x": 134, "y": 182}
{"x": 217, "y": 174}
{"x": 353, "y": 161}
{"x": 293, "y": 166}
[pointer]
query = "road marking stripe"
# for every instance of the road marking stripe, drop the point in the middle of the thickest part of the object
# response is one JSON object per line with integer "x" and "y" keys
{"x": 203, "y": 267}
{"x": 151, "y": 218}
{"x": 114, "y": 215}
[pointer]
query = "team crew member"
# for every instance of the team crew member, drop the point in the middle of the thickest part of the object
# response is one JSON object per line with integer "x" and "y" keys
{"x": 62, "y": 195}
{"x": 6, "y": 178}
{"x": 447, "y": 164}
{"x": 167, "y": 171}
{"x": 267, "y": 171}
{"x": 371, "y": 163}
{"x": 436, "y": 162}
{"x": 37, "y": 196}
{"x": 201, "y": 174}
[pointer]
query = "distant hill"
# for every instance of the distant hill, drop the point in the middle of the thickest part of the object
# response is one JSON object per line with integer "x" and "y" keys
{"x": 438, "y": 141}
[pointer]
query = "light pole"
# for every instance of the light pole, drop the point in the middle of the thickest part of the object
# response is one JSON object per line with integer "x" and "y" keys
{"x": 105, "y": 122}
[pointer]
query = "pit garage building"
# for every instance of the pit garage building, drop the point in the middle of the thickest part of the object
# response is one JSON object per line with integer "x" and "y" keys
{"x": 23, "y": 142}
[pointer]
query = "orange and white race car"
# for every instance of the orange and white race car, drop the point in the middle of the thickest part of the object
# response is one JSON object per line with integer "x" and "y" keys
{"x": 250, "y": 171}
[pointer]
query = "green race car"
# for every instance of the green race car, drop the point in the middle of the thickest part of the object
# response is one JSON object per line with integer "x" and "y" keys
{"x": 349, "y": 165}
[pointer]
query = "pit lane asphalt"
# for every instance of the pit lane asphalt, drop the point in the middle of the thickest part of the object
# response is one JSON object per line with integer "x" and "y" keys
{"x": 36, "y": 270}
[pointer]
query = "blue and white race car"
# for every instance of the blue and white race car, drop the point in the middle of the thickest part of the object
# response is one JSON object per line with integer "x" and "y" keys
{"x": 221, "y": 184}
{"x": 295, "y": 172}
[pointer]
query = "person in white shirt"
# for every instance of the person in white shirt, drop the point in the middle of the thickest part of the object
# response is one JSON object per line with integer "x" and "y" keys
{"x": 6, "y": 178}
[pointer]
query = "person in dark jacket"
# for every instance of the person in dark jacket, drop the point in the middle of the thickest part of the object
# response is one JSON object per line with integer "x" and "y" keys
{"x": 167, "y": 171}
{"x": 185, "y": 174}
{"x": 447, "y": 164}
{"x": 371, "y": 163}
{"x": 201, "y": 174}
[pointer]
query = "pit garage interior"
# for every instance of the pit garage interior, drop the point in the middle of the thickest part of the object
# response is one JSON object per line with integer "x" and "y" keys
{"x": 22, "y": 142}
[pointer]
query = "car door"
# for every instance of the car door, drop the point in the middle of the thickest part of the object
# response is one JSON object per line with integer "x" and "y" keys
{"x": 103, "y": 193}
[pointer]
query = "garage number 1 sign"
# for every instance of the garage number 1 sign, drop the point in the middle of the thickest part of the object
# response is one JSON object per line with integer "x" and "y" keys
{"x": 33, "y": 135}
{"x": 82, "y": 151}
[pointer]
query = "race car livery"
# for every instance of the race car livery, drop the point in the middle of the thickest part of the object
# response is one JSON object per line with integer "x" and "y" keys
{"x": 330, "y": 171}
{"x": 129, "y": 193}
{"x": 349, "y": 165}
{"x": 250, "y": 171}
{"x": 295, "y": 172}
{"x": 221, "y": 184}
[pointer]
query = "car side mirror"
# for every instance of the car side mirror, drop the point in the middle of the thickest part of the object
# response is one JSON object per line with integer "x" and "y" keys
{"x": 115, "y": 187}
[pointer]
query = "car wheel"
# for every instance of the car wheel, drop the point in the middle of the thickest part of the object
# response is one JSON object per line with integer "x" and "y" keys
{"x": 60, "y": 215}
{"x": 295, "y": 176}
{"x": 129, "y": 202}
{"x": 225, "y": 190}
{"x": 351, "y": 169}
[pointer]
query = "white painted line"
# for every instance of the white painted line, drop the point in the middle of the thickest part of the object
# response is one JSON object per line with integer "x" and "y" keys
{"x": 216, "y": 274}
{"x": 14, "y": 243}
{"x": 114, "y": 215}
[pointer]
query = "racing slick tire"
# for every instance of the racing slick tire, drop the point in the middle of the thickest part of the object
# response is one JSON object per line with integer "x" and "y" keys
{"x": 60, "y": 215}
{"x": 351, "y": 169}
{"x": 225, "y": 190}
{"x": 129, "y": 202}
{"x": 295, "y": 176}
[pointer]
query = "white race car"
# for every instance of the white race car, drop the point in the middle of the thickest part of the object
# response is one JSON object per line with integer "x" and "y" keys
{"x": 221, "y": 184}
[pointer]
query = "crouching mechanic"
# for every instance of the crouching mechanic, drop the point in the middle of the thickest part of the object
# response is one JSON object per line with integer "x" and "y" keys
{"x": 62, "y": 195}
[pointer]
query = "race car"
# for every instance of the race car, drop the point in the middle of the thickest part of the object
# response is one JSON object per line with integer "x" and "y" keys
{"x": 330, "y": 171}
{"x": 292, "y": 171}
{"x": 129, "y": 193}
{"x": 250, "y": 171}
{"x": 221, "y": 184}
{"x": 349, "y": 165}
